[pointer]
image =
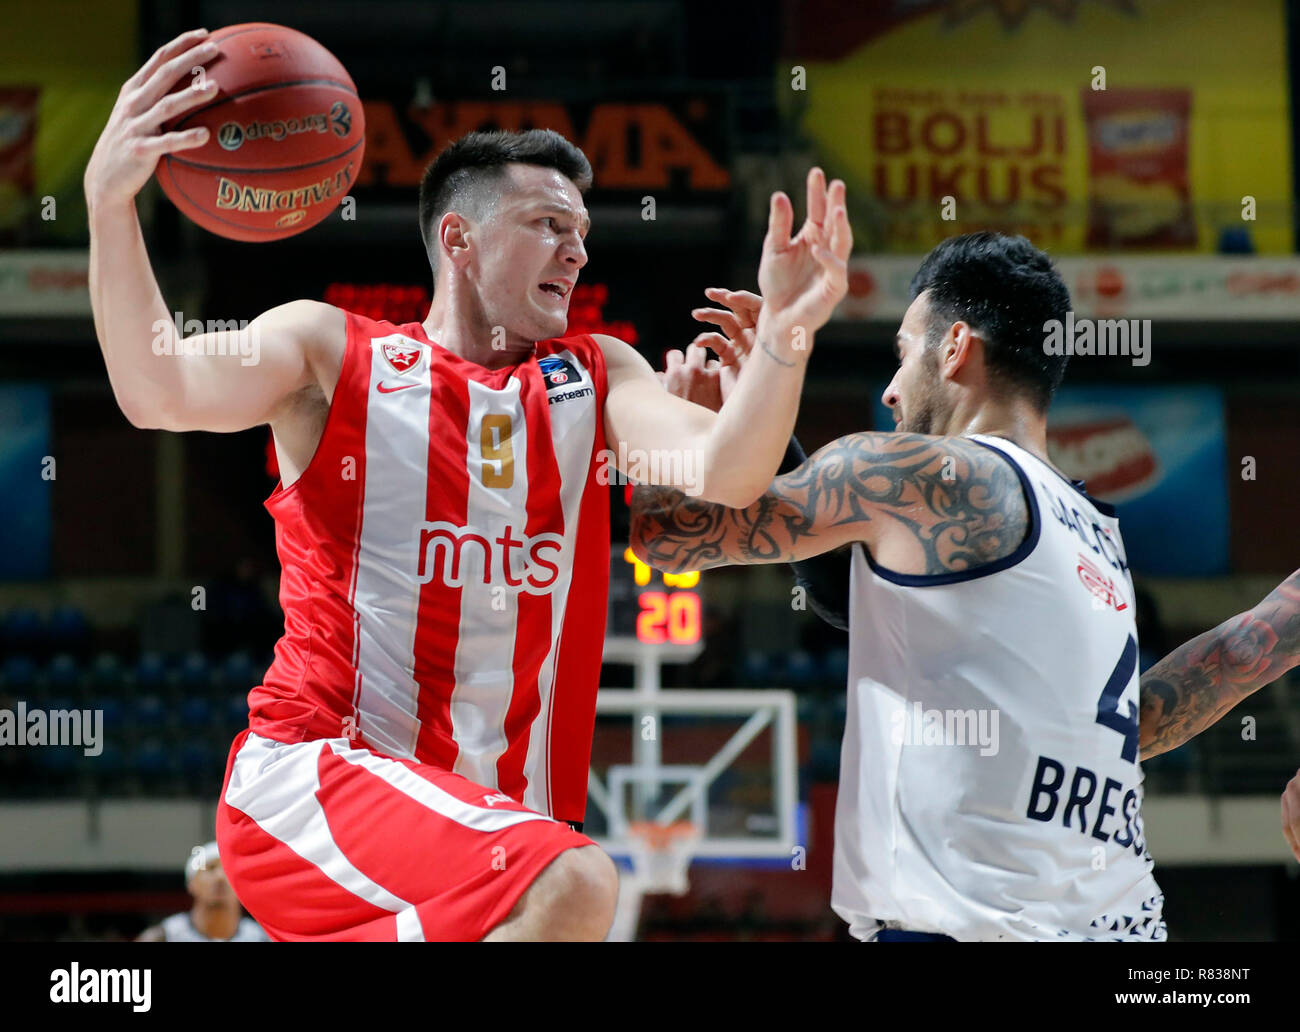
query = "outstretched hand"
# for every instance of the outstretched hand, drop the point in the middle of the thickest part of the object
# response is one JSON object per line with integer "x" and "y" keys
{"x": 803, "y": 278}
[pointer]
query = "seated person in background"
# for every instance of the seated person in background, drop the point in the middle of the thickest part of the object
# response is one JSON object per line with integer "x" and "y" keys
{"x": 216, "y": 915}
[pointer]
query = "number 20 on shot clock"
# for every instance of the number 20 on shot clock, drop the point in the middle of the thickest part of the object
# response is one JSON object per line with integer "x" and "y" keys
{"x": 652, "y": 607}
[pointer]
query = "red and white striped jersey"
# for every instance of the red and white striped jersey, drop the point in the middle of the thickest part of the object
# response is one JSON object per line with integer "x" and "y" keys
{"x": 445, "y": 565}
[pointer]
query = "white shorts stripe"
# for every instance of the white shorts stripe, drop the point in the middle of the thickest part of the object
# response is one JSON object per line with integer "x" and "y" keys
{"x": 406, "y": 781}
{"x": 276, "y": 784}
{"x": 408, "y": 926}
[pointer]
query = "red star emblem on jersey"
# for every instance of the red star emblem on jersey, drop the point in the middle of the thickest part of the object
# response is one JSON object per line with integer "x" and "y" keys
{"x": 402, "y": 357}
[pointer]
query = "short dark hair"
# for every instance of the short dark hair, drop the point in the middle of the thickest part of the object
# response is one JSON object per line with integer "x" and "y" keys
{"x": 1006, "y": 289}
{"x": 478, "y": 160}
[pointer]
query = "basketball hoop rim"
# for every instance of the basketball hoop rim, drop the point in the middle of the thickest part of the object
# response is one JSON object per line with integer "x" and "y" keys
{"x": 659, "y": 837}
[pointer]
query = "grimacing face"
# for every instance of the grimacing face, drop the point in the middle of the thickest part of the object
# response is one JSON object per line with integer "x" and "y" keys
{"x": 527, "y": 252}
{"x": 915, "y": 395}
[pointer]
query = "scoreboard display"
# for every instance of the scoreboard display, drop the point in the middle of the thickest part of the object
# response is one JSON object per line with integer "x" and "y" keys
{"x": 651, "y": 607}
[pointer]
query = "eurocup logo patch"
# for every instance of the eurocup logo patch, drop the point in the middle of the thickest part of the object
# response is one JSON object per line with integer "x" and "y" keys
{"x": 341, "y": 118}
{"x": 558, "y": 372}
{"x": 402, "y": 357}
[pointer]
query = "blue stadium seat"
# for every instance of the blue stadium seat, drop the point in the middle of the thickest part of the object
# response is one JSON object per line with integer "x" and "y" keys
{"x": 69, "y": 629}
{"x": 148, "y": 713}
{"x": 199, "y": 762}
{"x": 114, "y": 712}
{"x": 64, "y": 674}
{"x": 150, "y": 672}
{"x": 19, "y": 673}
{"x": 195, "y": 713}
{"x": 57, "y": 764}
{"x": 60, "y": 702}
{"x": 59, "y": 761}
{"x": 800, "y": 669}
{"x": 108, "y": 766}
{"x": 236, "y": 711}
{"x": 756, "y": 668}
{"x": 152, "y": 760}
{"x": 238, "y": 673}
{"x": 195, "y": 675}
{"x": 23, "y": 629}
{"x": 106, "y": 675}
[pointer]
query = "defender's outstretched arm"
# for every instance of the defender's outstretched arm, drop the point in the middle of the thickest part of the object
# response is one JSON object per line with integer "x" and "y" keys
{"x": 1197, "y": 683}
{"x": 955, "y": 503}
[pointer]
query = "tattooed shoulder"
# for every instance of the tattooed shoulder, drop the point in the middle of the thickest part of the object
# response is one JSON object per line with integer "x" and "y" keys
{"x": 945, "y": 503}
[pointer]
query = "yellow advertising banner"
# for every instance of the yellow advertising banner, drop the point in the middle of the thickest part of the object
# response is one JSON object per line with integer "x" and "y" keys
{"x": 1092, "y": 125}
{"x": 62, "y": 63}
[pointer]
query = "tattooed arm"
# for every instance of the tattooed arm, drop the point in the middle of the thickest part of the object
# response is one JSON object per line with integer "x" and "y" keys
{"x": 1200, "y": 681}
{"x": 922, "y": 504}
{"x": 824, "y": 578}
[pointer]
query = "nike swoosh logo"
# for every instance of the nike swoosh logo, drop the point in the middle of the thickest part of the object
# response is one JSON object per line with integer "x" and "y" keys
{"x": 389, "y": 390}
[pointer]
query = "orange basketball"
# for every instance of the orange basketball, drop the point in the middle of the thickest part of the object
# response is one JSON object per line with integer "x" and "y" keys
{"x": 287, "y": 135}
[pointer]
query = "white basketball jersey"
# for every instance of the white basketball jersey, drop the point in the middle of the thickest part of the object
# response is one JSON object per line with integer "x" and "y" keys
{"x": 989, "y": 785}
{"x": 179, "y": 928}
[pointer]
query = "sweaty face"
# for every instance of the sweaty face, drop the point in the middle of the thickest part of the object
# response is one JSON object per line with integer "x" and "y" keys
{"x": 528, "y": 252}
{"x": 915, "y": 394}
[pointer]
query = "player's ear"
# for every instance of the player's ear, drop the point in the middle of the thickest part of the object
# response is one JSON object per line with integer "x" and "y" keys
{"x": 454, "y": 238}
{"x": 957, "y": 349}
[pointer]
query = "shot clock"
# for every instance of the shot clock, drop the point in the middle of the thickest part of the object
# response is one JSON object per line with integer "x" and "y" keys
{"x": 651, "y": 607}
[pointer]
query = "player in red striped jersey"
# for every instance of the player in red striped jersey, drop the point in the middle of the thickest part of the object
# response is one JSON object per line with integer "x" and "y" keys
{"x": 417, "y": 754}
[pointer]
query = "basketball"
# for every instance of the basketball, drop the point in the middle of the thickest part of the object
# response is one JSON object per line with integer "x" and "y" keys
{"x": 287, "y": 135}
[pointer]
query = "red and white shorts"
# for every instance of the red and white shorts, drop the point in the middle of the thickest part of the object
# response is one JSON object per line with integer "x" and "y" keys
{"x": 323, "y": 840}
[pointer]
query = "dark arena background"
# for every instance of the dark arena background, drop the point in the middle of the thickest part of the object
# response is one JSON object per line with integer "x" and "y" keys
{"x": 1147, "y": 145}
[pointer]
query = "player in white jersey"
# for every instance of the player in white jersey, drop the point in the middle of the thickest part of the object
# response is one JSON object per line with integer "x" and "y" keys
{"x": 216, "y": 914}
{"x": 990, "y": 784}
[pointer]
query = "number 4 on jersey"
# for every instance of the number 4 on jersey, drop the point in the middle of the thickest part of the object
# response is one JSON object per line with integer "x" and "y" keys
{"x": 1108, "y": 714}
